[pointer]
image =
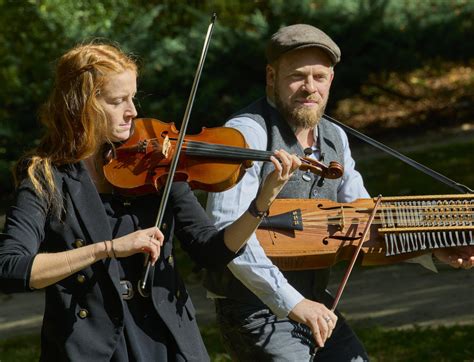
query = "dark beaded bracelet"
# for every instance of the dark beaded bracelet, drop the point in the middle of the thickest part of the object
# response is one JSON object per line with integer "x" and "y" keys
{"x": 255, "y": 212}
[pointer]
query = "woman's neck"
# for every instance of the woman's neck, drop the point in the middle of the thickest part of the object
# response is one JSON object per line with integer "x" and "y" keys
{"x": 94, "y": 167}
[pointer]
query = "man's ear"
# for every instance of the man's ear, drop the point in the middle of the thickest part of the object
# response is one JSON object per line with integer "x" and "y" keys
{"x": 332, "y": 75}
{"x": 270, "y": 76}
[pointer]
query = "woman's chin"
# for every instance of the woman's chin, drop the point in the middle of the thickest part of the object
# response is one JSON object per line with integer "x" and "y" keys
{"x": 120, "y": 136}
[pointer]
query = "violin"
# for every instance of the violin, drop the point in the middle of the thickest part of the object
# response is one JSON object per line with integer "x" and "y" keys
{"x": 317, "y": 233}
{"x": 213, "y": 160}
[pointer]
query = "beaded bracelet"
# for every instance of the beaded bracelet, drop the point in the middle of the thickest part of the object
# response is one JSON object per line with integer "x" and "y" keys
{"x": 255, "y": 212}
{"x": 113, "y": 249}
{"x": 106, "y": 249}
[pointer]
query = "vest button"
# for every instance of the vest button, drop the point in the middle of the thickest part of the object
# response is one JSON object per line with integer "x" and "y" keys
{"x": 164, "y": 226}
{"x": 83, "y": 313}
{"x": 178, "y": 293}
{"x": 306, "y": 177}
{"x": 170, "y": 260}
{"x": 80, "y": 278}
{"x": 78, "y": 243}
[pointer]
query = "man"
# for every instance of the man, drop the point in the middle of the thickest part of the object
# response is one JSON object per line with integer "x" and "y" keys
{"x": 263, "y": 313}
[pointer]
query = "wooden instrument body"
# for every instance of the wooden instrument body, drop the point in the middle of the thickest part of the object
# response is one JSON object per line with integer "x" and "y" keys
{"x": 142, "y": 164}
{"x": 332, "y": 231}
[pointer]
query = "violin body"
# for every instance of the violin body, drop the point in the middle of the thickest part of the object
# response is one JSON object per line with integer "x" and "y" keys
{"x": 213, "y": 160}
{"x": 317, "y": 233}
{"x": 141, "y": 164}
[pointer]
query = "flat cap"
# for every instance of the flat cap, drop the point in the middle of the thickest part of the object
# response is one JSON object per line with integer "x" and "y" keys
{"x": 301, "y": 36}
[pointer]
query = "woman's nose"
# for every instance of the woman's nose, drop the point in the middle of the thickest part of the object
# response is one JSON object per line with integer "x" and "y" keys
{"x": 132, "y": 109}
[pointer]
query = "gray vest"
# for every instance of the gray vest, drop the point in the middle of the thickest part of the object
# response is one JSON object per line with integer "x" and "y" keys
{"x": 310, "y": 283}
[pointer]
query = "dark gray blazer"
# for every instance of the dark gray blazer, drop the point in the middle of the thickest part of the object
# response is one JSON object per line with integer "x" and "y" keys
{"x": 83, "y": 318}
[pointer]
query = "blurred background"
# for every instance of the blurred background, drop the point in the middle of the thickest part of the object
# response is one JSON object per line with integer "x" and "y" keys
{"x": 407, "y": 66}
{"x": 406, "y": 78}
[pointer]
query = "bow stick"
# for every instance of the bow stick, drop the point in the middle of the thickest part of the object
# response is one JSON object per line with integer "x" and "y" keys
{"x": 340, "y": 290}
{"x": 420, "y": 167}
{"x": 166, "y": 190}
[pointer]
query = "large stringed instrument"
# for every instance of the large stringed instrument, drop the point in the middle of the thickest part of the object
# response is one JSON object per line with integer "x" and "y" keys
{"x": 316, "y": 233}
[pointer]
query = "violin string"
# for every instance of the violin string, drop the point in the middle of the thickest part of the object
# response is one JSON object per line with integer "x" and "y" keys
{"x": 357, "y": 219}
{"x": 357, "y": 211}
{"x": 199, "y": 148}
{"x": 354, "y": 216}
{"x": 210, "y": 149}
{"x": 204, "y": 149}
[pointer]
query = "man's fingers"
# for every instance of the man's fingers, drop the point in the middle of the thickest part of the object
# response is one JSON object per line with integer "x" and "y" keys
{"x": 317, "y": 335}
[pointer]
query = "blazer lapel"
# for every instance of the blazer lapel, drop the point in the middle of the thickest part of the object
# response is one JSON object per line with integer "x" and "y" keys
{"x": 89, "y": 209}
{"x": 88, "y": 204}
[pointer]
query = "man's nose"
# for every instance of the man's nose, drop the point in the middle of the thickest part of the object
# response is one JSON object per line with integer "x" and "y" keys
{"x": 309, "y": 85}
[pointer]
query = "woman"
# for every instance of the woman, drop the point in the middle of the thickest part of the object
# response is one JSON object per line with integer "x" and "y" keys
{"x": 70, "y": 234}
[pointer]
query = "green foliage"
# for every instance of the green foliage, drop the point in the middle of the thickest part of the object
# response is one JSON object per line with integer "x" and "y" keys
{"x": 20, "y": 349}
{"x": 376, "y": 36}
{"x": 392, "y": 177}
{"x": 417, "y": 344}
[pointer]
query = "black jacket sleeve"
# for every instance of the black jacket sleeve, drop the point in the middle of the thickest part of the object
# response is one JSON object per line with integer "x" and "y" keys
{"x": 198, "y": 236}
{"x": 21, "y": 239}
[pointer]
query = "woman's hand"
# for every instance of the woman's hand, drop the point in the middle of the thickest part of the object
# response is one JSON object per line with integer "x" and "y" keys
{"x": 285, "y": 164}
{"x": 142, "y": 241}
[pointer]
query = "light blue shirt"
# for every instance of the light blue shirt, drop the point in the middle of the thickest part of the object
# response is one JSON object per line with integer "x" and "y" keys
{"x": 253, "y": 268}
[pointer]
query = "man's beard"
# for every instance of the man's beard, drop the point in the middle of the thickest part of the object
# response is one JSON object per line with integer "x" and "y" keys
{"x": 299, "y": 117}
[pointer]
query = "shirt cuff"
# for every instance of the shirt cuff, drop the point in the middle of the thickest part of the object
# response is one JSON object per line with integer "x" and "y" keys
{"x": 283, "y": 300}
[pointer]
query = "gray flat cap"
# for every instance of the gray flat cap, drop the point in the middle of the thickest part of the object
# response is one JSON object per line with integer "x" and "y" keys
{"x": 301, "y": 36}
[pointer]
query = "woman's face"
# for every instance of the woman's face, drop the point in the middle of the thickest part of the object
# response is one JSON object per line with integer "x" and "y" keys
{"x": 116, "y": 97}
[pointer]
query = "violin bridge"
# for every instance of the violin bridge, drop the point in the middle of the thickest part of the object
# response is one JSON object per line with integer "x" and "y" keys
{"x": 166, "y": 146}
{"x": 341, "y": 222}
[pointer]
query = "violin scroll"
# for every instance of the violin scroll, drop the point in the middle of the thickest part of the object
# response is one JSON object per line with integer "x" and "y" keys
{"x": 333, "y": 171}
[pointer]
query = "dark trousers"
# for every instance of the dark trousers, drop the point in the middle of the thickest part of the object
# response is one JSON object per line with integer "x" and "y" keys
{"x": 252, "y": 333}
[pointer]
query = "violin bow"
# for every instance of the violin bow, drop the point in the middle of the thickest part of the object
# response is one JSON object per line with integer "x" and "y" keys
{"x": 174, "y": 162}
{"x": 420, "y": 167}
{"x": 348, "y": 272}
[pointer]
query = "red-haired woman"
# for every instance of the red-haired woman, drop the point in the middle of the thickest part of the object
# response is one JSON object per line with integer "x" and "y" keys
{"x": 69, "y": 233}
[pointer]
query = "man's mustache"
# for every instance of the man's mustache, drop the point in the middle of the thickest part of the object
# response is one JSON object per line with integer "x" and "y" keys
{"x": 310, "y": 97}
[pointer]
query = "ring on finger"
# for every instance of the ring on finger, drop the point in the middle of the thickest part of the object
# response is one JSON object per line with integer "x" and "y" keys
{"x": 327, "y": 319}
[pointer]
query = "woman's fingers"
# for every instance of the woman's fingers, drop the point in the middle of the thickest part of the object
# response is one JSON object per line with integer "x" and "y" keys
{"x": 153, "y": 243}
{"x": 287, "y": 165}
{"x": 147, "y": 240}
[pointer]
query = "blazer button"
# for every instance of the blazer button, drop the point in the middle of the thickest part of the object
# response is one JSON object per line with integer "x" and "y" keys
{"x": 170, "y": 260}
{"x": 78, "y": 243}
{"x": 178, "y": 293}
{"x": 164, "y": 226}
{"x": 81, "y": 278}
{"x": 83, "y": 313}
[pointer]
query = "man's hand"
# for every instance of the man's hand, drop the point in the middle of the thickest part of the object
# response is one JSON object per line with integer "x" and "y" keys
{"x": 317, "y": 317}
{"x": 460, "y": 257}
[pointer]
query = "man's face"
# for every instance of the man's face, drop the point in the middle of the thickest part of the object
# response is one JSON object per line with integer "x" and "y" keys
{"x": 299, "y": 86}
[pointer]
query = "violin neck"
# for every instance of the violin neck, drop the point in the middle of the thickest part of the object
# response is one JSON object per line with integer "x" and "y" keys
{"x": 211, "y": 150}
